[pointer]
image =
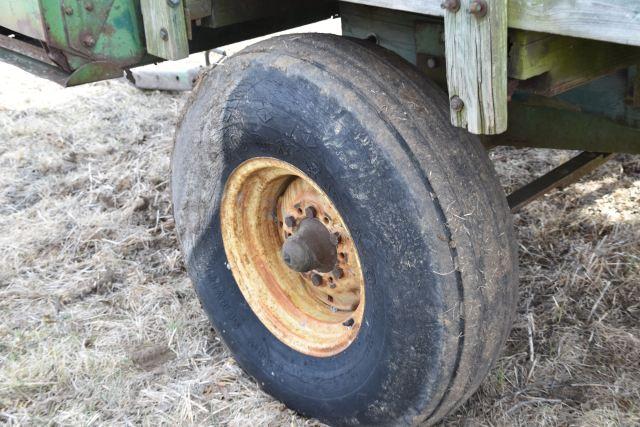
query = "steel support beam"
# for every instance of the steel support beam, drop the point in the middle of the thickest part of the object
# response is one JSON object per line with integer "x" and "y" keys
{"x": 562, "y": 176}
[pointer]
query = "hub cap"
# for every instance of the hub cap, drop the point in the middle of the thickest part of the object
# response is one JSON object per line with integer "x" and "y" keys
{"x": 292, "y": 257}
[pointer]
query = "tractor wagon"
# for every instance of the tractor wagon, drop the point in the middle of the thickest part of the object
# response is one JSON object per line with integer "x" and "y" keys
{"x": 338, "y": 214}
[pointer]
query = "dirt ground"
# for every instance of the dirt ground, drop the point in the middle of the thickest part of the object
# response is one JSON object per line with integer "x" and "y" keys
{"x": 99, "y": 324}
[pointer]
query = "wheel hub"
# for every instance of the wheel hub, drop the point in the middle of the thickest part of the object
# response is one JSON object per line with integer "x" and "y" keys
{"x": 311, "y": 247}
{"x": 292, "y": 257}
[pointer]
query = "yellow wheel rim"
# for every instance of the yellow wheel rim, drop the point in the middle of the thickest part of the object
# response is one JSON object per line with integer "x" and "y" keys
{"x": 265, "y": 202}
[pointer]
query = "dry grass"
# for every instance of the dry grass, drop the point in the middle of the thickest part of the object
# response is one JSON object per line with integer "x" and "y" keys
{"x": 99, "y": 324}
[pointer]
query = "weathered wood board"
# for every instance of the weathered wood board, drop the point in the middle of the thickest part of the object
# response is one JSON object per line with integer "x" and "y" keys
{"x": 615, "y": 21}
{"x": 476, "y": 50}
{"x": 165, "y": 28}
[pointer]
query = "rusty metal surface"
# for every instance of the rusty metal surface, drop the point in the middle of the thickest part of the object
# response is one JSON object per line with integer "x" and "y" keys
{"x": 33, "y": 66}
{"x": 317, "y": 313}
{"x": 26, "y": 49}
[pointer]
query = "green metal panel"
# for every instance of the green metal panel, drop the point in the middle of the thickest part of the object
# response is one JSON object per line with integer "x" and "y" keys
{"x": 107, "y": 30}
{"x": 89, "y": 40}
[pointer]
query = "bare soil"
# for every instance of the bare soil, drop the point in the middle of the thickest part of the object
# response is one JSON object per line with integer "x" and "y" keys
{"x": 99, "y": 324}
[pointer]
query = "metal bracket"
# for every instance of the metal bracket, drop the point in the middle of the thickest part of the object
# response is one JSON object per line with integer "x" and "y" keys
{"x": 562, "y": 176}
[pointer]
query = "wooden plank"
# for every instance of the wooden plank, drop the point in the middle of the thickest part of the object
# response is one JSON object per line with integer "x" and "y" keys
{"x": 393, "y": 30}
{"x": 198, "y": 9}
{"x": 607, "y": 20}
{"x": 554, "y": 64}
{"x": 165, "y": 29}
{"x": 615, "y": 21}
{"x": 476, "y": 50}
{"x": 540, "y": 124}
{"x": 230, "y": 12}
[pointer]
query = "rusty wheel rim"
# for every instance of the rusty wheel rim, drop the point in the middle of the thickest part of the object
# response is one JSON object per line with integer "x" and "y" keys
{"x": 265, "y": 202}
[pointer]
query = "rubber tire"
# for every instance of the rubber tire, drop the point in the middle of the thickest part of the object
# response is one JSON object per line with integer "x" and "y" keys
{"x": 420, "y": 198}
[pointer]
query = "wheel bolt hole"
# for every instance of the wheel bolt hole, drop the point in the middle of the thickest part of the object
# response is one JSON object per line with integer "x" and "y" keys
{"x": 310, "y": 212}
{"x": 329, "y": 298}
{"x": 342, "y": 255}
{"x": 316, "y": 279}
{"x": 290, "y": 221}
{"x": 326, "y": 220}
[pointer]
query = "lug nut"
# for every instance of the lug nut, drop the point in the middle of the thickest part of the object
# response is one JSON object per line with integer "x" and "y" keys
{"x": 316, "y": 279}
{"x": 478, "y": 8}
{"x": 451, "y": 5}
{"x": 290, "y": 221}
{"x": 456, "y": 104}
{"x": 349, "y": 323}
{"x": 310, "y": 212}
{"x": 337, "y": 273}
{"x": 88, "y": 40}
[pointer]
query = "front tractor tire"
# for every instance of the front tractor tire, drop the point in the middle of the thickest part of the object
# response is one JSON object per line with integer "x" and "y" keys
{"x": 354, "y": 251}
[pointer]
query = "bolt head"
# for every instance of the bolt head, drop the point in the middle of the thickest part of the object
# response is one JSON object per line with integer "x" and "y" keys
{"x": 432, "y": 62}
{"x": 290, "y": 221}
{"x": 478, "y": 8}
{"x": 456, "y": 104}
{"x": 68, "y": 10}
{"x": 88, "y": 40}
{"x": 349, "y": 323}
{"x": 88, "y": 7}
{"x": 316, "y": 279}
{"x": 310, "y": 212}
{"x": 164, "y": 34}
{"x": 173, "y": 3}
{"x": 451, "y": 5}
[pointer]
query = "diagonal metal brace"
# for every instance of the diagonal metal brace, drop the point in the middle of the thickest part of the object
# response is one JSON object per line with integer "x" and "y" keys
{"x": 562, "y": 176}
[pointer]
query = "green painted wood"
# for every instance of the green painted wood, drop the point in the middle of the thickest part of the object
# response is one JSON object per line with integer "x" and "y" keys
{"x": 230, "y": 12}
{"x": 544, "y": 123}
{"x": 476, "y": 51}
{"x": 556, "y": 64}
{"x": 393, "y": 30}
{"x": 430, "y": 52}
{"x": 607, "y": 20}
{"x": 165, "y": 29}
{"x": 198, "y": 9}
